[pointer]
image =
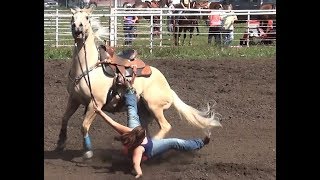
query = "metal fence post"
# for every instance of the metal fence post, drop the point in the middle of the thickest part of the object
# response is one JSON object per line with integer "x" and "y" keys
{"x": 151, "y": 34}
{"x": 112, "y": 24}
{"x": 248, "y": 37}
{"x": 161, "y": 14}
{"x": 57, "y": 27}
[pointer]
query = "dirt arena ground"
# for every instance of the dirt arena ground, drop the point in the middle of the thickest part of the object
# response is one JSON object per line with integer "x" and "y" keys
{"x": 244, "y": 148}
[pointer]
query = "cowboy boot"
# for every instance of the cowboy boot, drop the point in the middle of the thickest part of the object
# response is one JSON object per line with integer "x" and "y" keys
{"x": 120, "y": 80}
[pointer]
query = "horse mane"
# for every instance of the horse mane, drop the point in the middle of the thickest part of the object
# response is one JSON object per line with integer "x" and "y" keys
{"x": 99, "y": 31}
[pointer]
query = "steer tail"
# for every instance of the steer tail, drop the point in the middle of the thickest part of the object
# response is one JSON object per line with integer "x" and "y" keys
{"x": 202, "y": 119}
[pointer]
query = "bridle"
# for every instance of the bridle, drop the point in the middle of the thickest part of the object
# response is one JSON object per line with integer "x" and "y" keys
{"x": 84, "y": 73}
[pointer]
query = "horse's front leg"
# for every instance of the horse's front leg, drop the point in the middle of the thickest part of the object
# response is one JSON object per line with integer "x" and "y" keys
{"x": 72, "y": 106}
{"x": 184, "y": 36}
{"x": 176, "y": 36}
{"x": 179, "y": 37}
{"x": 191, "y": 35}
{"x": 197, "y": 26}
{"x": 88, "y": 119}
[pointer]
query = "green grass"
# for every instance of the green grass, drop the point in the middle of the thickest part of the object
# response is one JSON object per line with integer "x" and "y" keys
{"x": 57, "y": 53}
{"x": 196, "y": 52}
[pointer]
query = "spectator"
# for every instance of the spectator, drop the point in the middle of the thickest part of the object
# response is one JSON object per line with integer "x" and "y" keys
{"x": 129, "y": 27}
{"x": 228, "y": 27}
{"x": 170, "y": 17}
{"x": 185, "y": 4}
{"x": 265, "y": 27}
{"x": 215, "y": 27}
{"x": 86, "y": 3}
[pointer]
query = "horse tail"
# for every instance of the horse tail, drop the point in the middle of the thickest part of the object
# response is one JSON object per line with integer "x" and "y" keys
{"x": 205, "y": 119}
{"x": 99, "y": 31}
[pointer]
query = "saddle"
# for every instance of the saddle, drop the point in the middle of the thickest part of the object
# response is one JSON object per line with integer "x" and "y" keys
{"x": 123, "y": 66}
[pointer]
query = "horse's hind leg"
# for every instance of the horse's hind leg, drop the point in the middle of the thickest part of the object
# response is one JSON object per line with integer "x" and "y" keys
{"x": 156, "y": 106}
{"x": 145, "y": 115}
{"x": 88, "y": 119}
{"x": 72, "y": 106}
{"x": 165, "y": 127}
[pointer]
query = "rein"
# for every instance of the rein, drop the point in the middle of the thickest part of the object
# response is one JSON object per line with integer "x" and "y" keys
{"x": 87, "y": 71}
{"x": 89, "y": 84}
{"x": 77, "y": 79}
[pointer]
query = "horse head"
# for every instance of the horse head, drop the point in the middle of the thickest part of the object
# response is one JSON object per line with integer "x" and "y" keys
{"x": 80, "y": 23}
{"x": 202, "y": 4}
{"x": 198, "y": 5}
{"x": 267, "y": 6}
{"x": 227, "y": 6}
{"x": 215, "y": 5}
{"x": 153, "y": 4}
{"x": 145, "y": 4}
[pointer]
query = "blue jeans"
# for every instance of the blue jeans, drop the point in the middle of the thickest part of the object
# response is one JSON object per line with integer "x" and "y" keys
{"x": 128, "y": 34}
{"x": 132, "y": 110}
{"x": 228, "y": 38}
{"x": 159, "y": 145}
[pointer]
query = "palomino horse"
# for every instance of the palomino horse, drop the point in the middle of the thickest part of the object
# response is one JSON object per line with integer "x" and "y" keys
{"x": 89, "y": 85}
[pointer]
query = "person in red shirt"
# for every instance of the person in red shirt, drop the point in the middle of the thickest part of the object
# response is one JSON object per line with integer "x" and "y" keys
{"x": 215, "y": 23}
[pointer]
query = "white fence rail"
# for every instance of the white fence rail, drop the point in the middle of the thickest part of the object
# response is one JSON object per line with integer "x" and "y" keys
{"x": 57, "y": 30}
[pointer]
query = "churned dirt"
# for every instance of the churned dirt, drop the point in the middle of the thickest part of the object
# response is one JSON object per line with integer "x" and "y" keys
{"x": 244, "y": 148}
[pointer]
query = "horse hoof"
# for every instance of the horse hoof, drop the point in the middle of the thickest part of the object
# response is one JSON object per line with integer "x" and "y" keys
{"x": 60, "y": 147}
{"x": 88, "y": 155}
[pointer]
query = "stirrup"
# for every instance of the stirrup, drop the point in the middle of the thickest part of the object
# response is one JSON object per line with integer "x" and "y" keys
{"x": 130, "y": 89}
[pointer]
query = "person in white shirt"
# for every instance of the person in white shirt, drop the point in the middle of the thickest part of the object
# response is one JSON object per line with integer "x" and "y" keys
{"x": 86, "y": 3}
{"x": 228, "y": 20}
